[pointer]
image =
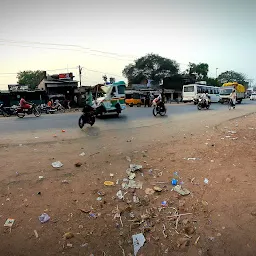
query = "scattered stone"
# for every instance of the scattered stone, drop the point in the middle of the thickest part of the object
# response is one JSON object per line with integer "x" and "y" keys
{"x": 253, "y": 213}
{"x": 229, "y": 180}
{"x": 78, "y": 164}
{"x": 189, "y": 230}
{"x": 69, "y": 245}
{"x": 183, "y": 242}
{"x": 149, "y": 191}
{"x": 219, "y": 234}
{"x": 157, "y": 189}
{"x": 68, "y": 235}
{"x": 128, "y": 159}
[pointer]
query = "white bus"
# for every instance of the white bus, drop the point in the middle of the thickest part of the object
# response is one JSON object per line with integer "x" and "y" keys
{"x": 191, "y": 91}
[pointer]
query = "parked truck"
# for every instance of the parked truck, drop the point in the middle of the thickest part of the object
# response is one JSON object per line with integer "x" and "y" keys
{"x": 227, "y": 88}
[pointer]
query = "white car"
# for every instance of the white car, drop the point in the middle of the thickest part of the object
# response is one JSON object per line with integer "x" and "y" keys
{"x": 253, "y": 96}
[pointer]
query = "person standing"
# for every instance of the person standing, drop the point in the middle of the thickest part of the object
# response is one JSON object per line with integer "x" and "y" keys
{"x": 147, "y": 100}
{"x": 232, "y": 96}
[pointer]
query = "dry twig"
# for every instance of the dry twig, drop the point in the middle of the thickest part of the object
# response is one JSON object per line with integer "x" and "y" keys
{"x": 164, "y": 229}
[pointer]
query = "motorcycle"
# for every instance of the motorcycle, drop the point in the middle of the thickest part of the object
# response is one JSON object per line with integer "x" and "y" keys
{"x": 88, "y": 116}
{"x": 21, "y": 112}
{"x": 202, "y": 104}
{"x": 6, "y": 111}
{"x": 159, "y": 109}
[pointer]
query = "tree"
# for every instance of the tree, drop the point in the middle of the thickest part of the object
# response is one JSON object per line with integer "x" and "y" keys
{"x": 232, "y": 76}
{"x": 198, "y": 71}
{"x": 213, "y": 82}
{"x": 30, "y": 78}
{"x": 152, "y": 67}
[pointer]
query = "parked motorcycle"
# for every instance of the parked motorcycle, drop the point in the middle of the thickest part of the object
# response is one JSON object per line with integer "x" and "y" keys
{"x": 21, "y": 112}
{"x": 88, "y": 116}
{"x": 202, "y": 104}
{"x": 159, "y": 109}
{"x": 6, "y": 111}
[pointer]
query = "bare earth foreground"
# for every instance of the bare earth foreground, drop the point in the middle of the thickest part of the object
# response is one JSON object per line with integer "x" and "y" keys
{"x": 215, "y": 163}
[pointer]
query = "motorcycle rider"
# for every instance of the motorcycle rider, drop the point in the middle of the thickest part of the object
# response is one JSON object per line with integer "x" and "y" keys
{"x": 24, "y": 104}
{"x": 205, "y": 98}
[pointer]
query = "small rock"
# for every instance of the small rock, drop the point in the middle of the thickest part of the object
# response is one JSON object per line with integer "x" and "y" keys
{"x": 253, "y": 213}
{"x": 183, "y": 242}
{"x": 78, "y": 164}
{"x": 189, "y": 230}
{"x": 219, "y": 234}
{"x": 69, "y": 245}
{"x": 157, "y": 189}
{"x": 228, "y": 180}
{"x": 149, "y": 191}
{"x": 68, "y": 235}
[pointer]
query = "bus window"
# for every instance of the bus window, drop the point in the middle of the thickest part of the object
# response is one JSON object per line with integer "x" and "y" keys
{"x": 188, "y": 88}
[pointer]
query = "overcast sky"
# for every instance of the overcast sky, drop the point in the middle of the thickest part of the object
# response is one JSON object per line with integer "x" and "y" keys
{"x": 112, "y": 33}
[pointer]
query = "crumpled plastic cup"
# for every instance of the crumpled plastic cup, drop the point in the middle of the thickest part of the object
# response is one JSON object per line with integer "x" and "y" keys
{"x": 44, "y": 218}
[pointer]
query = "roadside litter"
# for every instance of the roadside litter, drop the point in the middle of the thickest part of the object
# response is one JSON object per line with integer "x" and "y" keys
{"x": 138, "y": 242}
{"x": 192, "y": 158}
{"x": 57, "y": 164}
{"x": 36, "y": 234}
{"x": 181, "y": 191}
{"x": 40, "y": 177}
{"x": 206, "y": 181}
{"x": 44, "y": 217}
{"x": 9, "y": 223}
{"x": 82, "y": 154}
{"x": 109, "y": 183}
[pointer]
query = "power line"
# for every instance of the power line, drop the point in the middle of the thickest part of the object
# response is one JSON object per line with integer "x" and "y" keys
{"x": 67, "y": 45}
{"x": 45, "y": 70}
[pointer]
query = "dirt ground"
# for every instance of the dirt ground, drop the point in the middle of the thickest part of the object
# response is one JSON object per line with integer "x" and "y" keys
{"x": 216, "y": 164}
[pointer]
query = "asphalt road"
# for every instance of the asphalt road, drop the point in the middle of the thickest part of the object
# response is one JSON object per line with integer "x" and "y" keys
{"x": 130, "y": 118}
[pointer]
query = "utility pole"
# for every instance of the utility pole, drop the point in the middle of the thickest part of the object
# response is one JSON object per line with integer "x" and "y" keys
{"x": 80, "y": 74}
{"x": 217, "y": 73}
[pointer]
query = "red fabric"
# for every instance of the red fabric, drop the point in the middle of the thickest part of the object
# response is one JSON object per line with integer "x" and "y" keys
{"x": 26, "y": 106}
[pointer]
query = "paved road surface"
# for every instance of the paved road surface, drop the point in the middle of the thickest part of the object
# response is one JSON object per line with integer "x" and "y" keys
{"x": 130, "y": 118}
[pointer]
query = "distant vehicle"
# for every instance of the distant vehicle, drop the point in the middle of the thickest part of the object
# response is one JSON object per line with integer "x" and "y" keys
{"x": 133, "y": 98}
{"x": 253, "y": 96}
{"x": 191, "y": 92}
{"x": 227, "y": 88}
{"x": 113, "y": 100}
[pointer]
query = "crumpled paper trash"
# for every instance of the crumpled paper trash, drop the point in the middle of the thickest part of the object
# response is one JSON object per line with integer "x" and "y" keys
{"x": 138, "y": 242}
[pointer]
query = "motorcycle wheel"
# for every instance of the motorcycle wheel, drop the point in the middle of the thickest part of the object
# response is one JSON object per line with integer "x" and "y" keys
{"x": 81, "y": 122}
{"x": 154, "y": 111}
{"x": 61, "y": 110}
{"x": 5, "y": 114}
{"x": 162, "y": 112}
{"x": 199, "y": 107}
{"x": 37, "y": 112}
{"x": 208, "y": 106}
{"x": 92, "y": 121}
{"x": 20, "y": 115}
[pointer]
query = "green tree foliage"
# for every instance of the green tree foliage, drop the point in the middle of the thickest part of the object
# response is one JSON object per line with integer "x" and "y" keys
{"x": 30, "y": 78}
{"x": 151, "y": 67}
{"x": 213, "y": 82}
{"x": 198, "y": 71}
{"x": 232, "y": 76}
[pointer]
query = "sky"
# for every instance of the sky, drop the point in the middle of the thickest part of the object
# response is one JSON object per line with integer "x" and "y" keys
{"x": 104, "y": 36}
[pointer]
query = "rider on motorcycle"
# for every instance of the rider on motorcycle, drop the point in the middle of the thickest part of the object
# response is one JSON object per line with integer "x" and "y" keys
{"x": 205, "y": 98}
{"x": 24, "y": 104}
